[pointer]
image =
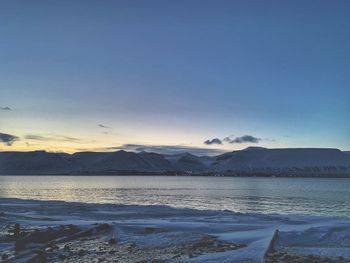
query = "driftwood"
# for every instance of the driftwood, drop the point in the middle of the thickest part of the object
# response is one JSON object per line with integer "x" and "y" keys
{"x": 44, "y": 237}
{"x": 271, "y": 247}
{"x": 34, "y": 243}
{"x": 57, "y": 235}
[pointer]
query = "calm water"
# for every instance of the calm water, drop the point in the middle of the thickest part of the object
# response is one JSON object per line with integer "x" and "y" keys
{"x": 262, "y": 195}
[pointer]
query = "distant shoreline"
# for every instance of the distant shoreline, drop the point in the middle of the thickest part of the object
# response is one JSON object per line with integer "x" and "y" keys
{"x": 189, "y": 175}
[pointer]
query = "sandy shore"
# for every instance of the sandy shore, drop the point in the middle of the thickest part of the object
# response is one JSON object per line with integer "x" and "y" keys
{"x": 74, "y": 232}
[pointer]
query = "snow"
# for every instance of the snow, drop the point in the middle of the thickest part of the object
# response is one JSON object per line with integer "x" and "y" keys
{"x": 171, "y": 227}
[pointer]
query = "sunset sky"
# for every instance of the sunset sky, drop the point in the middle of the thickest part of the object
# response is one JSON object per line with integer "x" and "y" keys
{"x": 107, "y": 75}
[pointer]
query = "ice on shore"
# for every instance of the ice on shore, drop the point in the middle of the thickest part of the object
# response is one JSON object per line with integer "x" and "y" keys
{"x": 166, "y": 234}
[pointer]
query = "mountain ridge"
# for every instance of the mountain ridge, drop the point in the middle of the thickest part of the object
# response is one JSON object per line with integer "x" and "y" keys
{"x": 250, "y": 161}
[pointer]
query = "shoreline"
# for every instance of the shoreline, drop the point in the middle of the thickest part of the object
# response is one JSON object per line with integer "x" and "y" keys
{"x": 189, "y": 175}
{"x": 18, "y": 200}
{"x": 167, "y": 234}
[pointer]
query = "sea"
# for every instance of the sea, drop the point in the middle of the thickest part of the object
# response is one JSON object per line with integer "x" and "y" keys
{"x": 263, "y": 195}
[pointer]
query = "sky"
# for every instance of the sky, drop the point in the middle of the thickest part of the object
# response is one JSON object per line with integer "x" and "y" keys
{"x": 196, "y": 75}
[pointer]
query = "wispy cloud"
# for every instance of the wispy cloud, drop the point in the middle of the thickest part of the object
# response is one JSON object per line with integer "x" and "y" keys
{"x": 213, "y": 141}
{"x": 53, "y": 137}
{"x": 8, "y": 139}
{"x": 243, "y": 139}
{"x": 103, "y": 126}
{"x": 35, "y": 137}
{"x": 5, "y": 108}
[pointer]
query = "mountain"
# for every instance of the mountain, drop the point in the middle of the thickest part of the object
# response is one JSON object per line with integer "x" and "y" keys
{"x": 94, "y": 162}
{"x": 250, "y": 161}
{"x": 37, "y": 162}
{"x": 189, "y": 162}
{"x": 157, "y": 161}
{"x": 295, "y": 159}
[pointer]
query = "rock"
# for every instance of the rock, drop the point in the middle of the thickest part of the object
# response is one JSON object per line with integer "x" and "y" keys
{"x": 39, "y": 258}
{"x": 102, "y": 227}
{"x": 81, "y": 252}
{"x": 130, "y": 247}
{"x": 17, "y": 231}
{"x": 149, "y": 230}
{"x": 66, "y": 248}
{"x": 45, "y": 236}
{"x": 112, "y": 241}
{"x": 49, "y": 249}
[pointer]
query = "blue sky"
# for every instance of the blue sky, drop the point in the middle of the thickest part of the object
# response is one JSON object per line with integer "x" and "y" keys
{"x": 174, "y": 73}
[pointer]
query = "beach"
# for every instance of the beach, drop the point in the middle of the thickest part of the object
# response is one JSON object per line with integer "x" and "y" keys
{"x": 57, "y": 231}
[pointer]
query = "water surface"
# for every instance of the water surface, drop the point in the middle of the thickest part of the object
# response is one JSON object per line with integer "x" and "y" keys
{"x": 309, "y": 196}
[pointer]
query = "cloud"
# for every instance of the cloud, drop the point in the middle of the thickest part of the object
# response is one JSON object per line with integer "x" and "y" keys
{"x": 5, "y": 108}
{"x": 35, "y": 137}
{"x": 213, "y": 141}
{"x": 233, "y": 140}
{"x": 103, "y": 126}
{"x": 8, "y": 139}
{"x": 53, "y": 137}
{"x": 166, "y": 149}
{"x": 243, "y": 139}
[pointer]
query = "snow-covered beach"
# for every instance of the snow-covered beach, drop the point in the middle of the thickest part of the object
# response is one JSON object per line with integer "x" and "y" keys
{"x": 56, "y": 231}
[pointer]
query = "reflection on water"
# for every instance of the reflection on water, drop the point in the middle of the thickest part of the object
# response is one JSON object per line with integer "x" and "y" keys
{"x": 261, "y": 195}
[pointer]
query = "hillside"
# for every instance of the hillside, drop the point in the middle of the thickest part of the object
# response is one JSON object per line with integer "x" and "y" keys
{"x": 250, "y": 161}
{"x": 297, "y": 160}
